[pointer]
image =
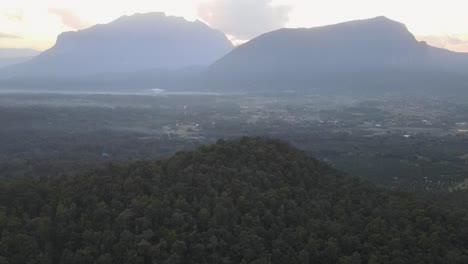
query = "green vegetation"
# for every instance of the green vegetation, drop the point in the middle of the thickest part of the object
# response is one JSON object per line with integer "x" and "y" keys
{"x": 51, "y": 135}
{"x": 250, "y": 200}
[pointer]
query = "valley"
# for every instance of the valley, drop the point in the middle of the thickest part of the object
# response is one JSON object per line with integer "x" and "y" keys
{"x": 415, "y": 144}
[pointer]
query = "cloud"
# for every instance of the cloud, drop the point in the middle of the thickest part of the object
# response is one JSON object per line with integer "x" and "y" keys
{"x": 450, "y": 42}
{"x": 69, "y": 18}
{"x": 16, "y": 15}
{"x": 9, "y": 36}
{"x": 244, "y": 19}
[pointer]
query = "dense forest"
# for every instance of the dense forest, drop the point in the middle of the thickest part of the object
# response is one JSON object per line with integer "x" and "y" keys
{"x": 250, "y": 200}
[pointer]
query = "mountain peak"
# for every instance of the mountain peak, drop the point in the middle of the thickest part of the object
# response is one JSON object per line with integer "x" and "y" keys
{"x": 151, "y": 17}
{"x": 143, "y": 15}
{"x": 383, "y": 19}
{"x": 380, "y": 25}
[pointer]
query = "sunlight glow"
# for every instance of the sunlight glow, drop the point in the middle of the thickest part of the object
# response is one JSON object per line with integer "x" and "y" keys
{"x": 36, "y": 23}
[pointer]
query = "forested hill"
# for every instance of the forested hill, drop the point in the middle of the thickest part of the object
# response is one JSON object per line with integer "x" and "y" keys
{"x": 250, "y": 200}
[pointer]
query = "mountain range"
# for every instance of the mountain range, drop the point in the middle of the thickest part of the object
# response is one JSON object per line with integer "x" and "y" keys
{"x": 375, "y": 55}
{"x": 142, "y": 42}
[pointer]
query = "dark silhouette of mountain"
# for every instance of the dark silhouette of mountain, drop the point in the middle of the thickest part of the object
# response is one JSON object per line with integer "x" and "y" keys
{"x": 337, "y": 55}
{"x": 250, "y": 200}
{"x": 10, "y": 56}
{"x": 141, "y": 42}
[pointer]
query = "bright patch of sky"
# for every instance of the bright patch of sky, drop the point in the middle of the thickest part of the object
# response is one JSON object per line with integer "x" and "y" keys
{"x": 36, "y": 23}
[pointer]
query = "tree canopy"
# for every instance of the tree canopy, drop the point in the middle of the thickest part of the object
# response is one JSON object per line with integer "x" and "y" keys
{"x": 251, "y": 200}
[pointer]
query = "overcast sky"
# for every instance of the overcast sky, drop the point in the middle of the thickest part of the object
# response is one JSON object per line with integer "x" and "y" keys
{"x": 36, "y": 23}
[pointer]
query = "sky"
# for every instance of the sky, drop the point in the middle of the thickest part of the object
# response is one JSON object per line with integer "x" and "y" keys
{"x": 37, "y": 23}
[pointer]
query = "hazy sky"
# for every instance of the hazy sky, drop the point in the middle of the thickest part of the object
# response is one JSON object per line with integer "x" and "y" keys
{"x": 36, "y": 23}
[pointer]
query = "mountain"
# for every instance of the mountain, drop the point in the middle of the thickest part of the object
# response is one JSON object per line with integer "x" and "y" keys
{"x": 335, "y": 55}
{"x": 4, "y": 62}
{"x": 10, "y": 56}
{"x": 16, "y": 53}
{"x": 151, "y": 41}
{"x": 250, "y": 200}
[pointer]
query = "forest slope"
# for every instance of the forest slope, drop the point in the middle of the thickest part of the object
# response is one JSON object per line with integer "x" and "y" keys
{"x": 250, "y": 200}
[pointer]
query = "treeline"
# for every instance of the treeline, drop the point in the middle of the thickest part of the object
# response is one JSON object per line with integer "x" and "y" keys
{"x": 250, "y": 200}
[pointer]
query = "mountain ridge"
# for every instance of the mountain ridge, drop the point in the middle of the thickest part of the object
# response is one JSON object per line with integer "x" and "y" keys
{"x": 375, "y": 57}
